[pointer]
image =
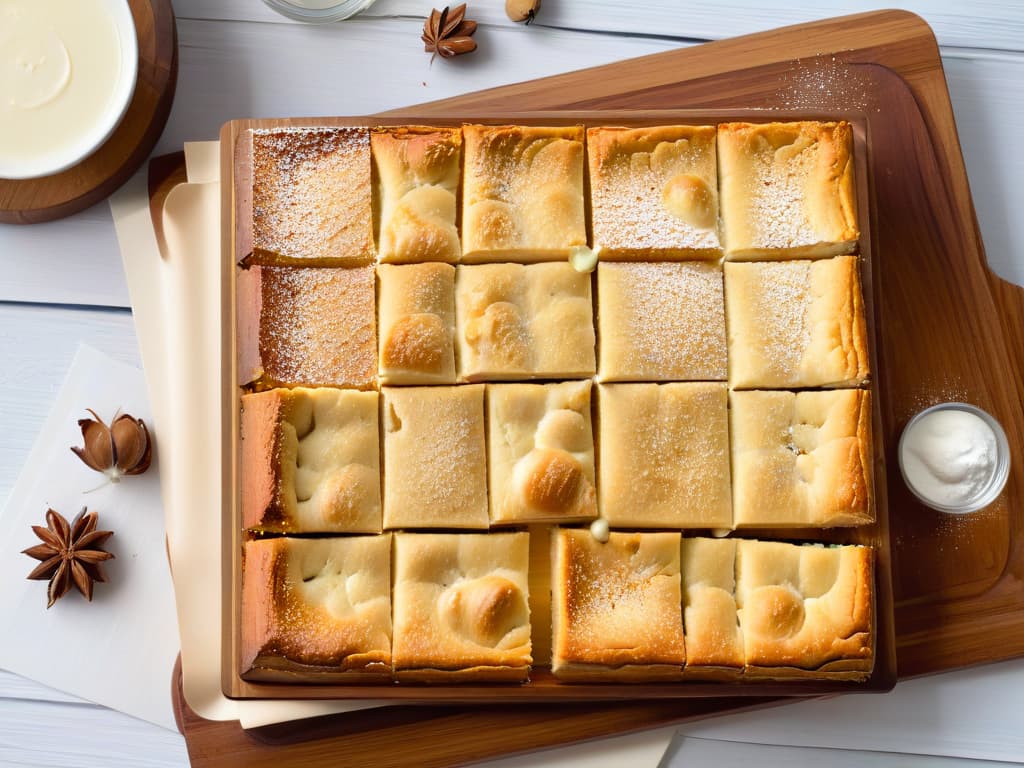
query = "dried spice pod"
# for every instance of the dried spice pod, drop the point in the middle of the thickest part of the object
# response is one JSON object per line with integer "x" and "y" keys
{"x": 448, "y": 33}
{"x": 70, "y": 554}
{"x": 522, "y": 10}
{"x": 123, "y": 448}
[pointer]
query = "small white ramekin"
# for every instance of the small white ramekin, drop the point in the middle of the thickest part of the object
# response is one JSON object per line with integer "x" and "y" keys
{"x": 342, "y": 9}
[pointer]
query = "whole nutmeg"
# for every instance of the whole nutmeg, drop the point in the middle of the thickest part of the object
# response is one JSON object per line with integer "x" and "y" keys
{"x": 522, "y": 10}
{"x": 123, "y": 448}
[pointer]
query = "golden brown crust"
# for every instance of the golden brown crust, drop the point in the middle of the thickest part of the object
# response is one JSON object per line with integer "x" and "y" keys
{"x": 806, "y": 608}
{"x": 418, "y": 171}
{"x": 520, "y": 321}
{"x": 661, "y": 322}
{"x": 311, "y": 197}
{"x": 654, "y": 192}
{"x": 462, "y": 607}
{"x": 664, "y": 455}
{"x": 541, "y": 453}
{"x": 616, "y": 606}
{"x": 802, "y": 459}
{"x": 435, "y": 473}
{"x": 316, "y": 609}
{"x": 522, "y": 196}
{"x": 313, "y": 327}
{"x": 713, "y": 638}
{"x": 787, "y": 190}
{"x": 310, "y": 461}
{"x": 796, "y": 324}
{"x": 416, "y": 306}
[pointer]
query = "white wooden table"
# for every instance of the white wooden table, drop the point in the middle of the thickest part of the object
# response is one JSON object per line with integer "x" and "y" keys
{"x": 61, "y": 283}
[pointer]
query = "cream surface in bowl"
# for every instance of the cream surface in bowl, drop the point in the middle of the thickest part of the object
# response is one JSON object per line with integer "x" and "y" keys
{"x": 67, "y": 73}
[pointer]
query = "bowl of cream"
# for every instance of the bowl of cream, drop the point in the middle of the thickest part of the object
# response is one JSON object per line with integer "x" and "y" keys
{"x": 954, "y": 457}
{"x": 67, "y": 74}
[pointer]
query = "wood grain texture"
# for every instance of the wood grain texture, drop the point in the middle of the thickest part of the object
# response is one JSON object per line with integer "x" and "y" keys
{"x": 30, "y": 201}
{"x": 958, "y": 580}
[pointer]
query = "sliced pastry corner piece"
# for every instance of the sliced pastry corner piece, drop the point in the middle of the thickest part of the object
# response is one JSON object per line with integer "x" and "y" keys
{"x": 306, "y": 326}
{"x": 416, "y": 322}
{"x": 796, "y": 324}
{"x": 316, "y": 610}
{"x": 518, "y": 321}
{"x": 311, "y": 197}
{"x": 714, "y": 643}
{"x": 522, "y": 193}
{"x": 661, "y": 322}
{"x": 806, "y": 611}
{"x": 616, "y": 608}
{"x": 787, "y": 190}
{"x": 654, "y": 192}
{"x": 462, "y": 607}
{"x": 540, "y": 453}
{"x": 435, "y": 455}
{"x": 310, "y": 461}
{"x": 418, "y": 177}
{"x": 664, "y": 455}
{"x": 802, "y": 458}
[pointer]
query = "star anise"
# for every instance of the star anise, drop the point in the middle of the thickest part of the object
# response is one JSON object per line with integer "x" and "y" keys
{"x": 123, "y": 448}
{"x": 448, "y": 32}
{"x": 70, "y": 554}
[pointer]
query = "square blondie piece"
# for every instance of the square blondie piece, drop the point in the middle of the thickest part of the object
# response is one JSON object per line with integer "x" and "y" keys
{"x": 714, "y": 643}
{"x": 416, "y": 311}
{"x": 313, "y": 327}
{"x": 654, "y": 192}
{"x": 316, "y": 610}
{"x": 796, "y": 324}
{"x": 523, "y": 322}
{"x": 310, "y": 461}
{"x": 664, "y": 455}
{"x": 661, "y": 322}
{"x": 540, "y": 453}
{"x": 462, "y": 609}
{"x": 806, "y": 611}
{"x": 311, "y": 198}
{"x": 435, "y": 473}
{"x": 801, "y": 458}
{"x": 418, "y": 173}
{"x": 522, "y": 193}
{"x": 616, "y": 607}
{"x": 787, "y": 190}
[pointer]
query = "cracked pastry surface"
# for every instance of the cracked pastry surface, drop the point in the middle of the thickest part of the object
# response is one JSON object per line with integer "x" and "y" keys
{"x": 796, "y": 324}
{"x": 664, "y": 455}
{"x": 435, "y": 473}
{"x": 310, "y": 461}
{"x": 311, "y": 197}
{"x": 661, "y": 321}
{"x": 416, "y": 311}
{"x": 316, "y": 605}
{"x": 462, "y": 607}
{"x": 616, "y": 606}
{"x": 418, "y": 171}
{"x": 522, "y": 193}
{"x": 805, "y": 611}
{"x": 518, "y": 321}
{"x": 310, "y": 327}
{"x": 540, "y": 452}
{"x": 801, "y": 458}
{"x": 654, "y": 192}
{"x": 787, "y": 190}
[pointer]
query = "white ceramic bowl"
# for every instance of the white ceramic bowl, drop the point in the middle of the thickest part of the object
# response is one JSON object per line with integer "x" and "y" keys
{"x": 96, "y": 132}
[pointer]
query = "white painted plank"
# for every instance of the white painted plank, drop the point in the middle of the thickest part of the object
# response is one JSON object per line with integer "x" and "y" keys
{"x": 992, "y": 23}
{"x": 36, "y": 734}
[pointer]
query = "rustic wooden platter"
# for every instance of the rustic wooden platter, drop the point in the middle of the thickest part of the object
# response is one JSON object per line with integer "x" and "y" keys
{"x": 948, "y": 329}
{"x": 30, "y": 201}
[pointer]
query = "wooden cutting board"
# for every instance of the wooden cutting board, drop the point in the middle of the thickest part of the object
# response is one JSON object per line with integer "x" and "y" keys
{"x": 948, "y": 330}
